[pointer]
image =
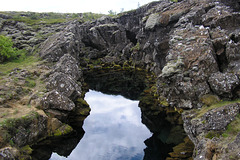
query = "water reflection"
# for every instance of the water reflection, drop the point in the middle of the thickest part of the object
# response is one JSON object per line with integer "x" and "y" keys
{"x": 113, "y": 131}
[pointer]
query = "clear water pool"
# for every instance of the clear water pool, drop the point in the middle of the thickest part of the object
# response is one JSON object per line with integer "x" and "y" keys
{"x": 113, "y": 130}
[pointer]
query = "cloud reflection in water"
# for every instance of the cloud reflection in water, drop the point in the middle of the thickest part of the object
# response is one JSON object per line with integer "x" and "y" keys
{"x": 113, "y": 130}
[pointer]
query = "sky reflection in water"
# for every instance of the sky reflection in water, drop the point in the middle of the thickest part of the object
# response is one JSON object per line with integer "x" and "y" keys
{"x": 113, "y": 130}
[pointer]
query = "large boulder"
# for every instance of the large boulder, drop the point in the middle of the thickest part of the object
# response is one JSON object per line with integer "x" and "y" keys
{"x": 9, "y": 153}
{"x": 64, "y": 85}
{"x": 223, "y": 84}
{"x": 184, "y": 77}
{"x": 64, "y": 88}
{"x": 204, "y": 129}
{"x": 27, "y": 129}
{"x": 61, "y": 43}
{"x": 54, "y": 100}
{"x": 69, "y": 66}
{"x": 233, "y": 54}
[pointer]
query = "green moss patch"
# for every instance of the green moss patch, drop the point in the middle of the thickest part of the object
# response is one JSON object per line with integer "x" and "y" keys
{"x": 30, "y": 83}
{"x": 9, "y": 127}
{"x": 63, "y": 130}
{"x": 209, "y": 99}
{"x": 212, "y": 134}
{"x": 183, "y": 150}
{"x": 221, "y": 103}
{"x": 26, "y": 149}
{"x": 82, "y": 103}
{"x": 12, "y": 123}
{"x": 233, "y": 128}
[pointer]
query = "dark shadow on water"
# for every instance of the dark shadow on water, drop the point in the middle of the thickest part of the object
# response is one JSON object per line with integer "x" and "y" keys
{"x": 156, "y": 149}
{"x": 129, "y": 84}
{"x": 63, "y": 146}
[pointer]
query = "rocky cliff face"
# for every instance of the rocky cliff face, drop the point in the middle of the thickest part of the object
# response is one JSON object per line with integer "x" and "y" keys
{"x": 37, "y": 99}
{"x": 191, "y": 46}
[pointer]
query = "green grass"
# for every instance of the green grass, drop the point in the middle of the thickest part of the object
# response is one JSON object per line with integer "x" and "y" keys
{"x": 212, "y": 134}
{"x": 16, "y": 111}
{"x": 20, "y": 63}
{"x": 205, "y": 109}
{"x": 233, "y": 128}
{"x": 4, "y": 114}
{"x": 34, "y": 18}
{"x": 11, "y": 142}
{"x": 30, "y": 83}
{"x": 39, "y": 21}
{"x": 224, "y": 103}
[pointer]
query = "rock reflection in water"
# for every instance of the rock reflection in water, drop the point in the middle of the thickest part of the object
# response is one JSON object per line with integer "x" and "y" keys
{"x": 112, "y": 131}
{"x": 62, "y": 145}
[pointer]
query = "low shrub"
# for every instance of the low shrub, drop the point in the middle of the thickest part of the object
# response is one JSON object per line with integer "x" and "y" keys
{"x": 7, "y": 51}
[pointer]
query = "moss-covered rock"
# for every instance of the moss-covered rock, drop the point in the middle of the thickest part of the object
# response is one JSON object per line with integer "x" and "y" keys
{"x": 182, "y": 151}
{"x": 214, "y": 129}
{"x": 117, "y": 79}
{"x": 63, "y": 130}
{"x": 209, "y": 99}
{"x": 25, "y": 130}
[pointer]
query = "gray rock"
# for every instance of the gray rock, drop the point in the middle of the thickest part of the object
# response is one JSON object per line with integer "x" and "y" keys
{"x": 233, "y": 57}
{"x": 223, "y": 84}
{"x": 204, "y": 149}
{"x": 54, "y": 100}
{"x": 64, "y": 85}
{"x": 69, "y": 66}
{"x": 27, "y": 130}
{"x": 61, "y": 43}
{"x": 152, "y": 21}
{"x": 215, "y": 14}
{"x": 5, "y": 16}
{"x": 214, "y": 120}
{"x": 9, "y": 153}
{"x": 233, "y": 149}
{"x": 218, "y": 119}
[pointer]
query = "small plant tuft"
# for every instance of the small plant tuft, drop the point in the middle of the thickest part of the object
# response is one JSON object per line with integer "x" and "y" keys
{"x": 7, "y": 51}
{"x": 212, "y": 134}
{"x": 11, "y": 142}
{"x": 136, "y": 47}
